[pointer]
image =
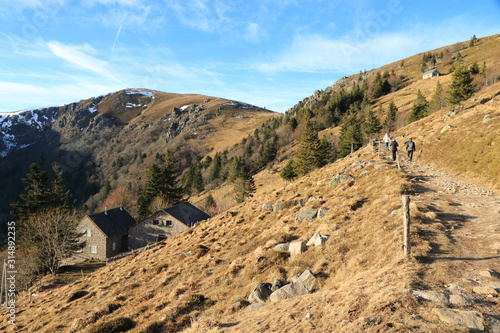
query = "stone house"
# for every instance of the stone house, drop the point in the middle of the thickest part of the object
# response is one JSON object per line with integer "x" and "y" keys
{"x": 105, "y": 234}
{"x": 165, "y": 223}
{"x": 430, "y": 74}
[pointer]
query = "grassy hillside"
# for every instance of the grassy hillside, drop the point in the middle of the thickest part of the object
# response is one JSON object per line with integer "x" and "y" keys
{"x": 193, "y": 281}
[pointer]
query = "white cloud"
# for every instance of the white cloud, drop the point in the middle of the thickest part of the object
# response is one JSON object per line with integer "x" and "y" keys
{"x": 254, "y": 33}
{"x": 13, "y": 93}
{"x": 78, "y": 55}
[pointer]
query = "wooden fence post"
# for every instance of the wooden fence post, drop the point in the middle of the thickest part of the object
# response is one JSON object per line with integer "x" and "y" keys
{"x": 406, "y": 224}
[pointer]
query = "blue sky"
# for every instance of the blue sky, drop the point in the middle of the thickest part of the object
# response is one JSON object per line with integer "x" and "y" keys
{"x": 271, "y": 53}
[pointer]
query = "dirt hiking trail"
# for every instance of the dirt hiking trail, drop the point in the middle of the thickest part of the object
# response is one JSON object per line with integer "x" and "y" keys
{"x": 465, "y": 253}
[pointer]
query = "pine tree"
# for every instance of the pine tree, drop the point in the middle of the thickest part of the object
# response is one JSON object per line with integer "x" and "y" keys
{"x": 372, "y": 123}
{"x": 59, "y": 195}
{"x": 36, "y": 194}
{"x": 438, "y": 98}
{"x": 308, "y": 155}
{"x": 391, "y": 116}
{"x": 244, "y": 183}
{"x": 288, "y": 172}
{"x": 420, "y": 107}
{"x": 461, "y": 86}
{"x": 161, "y": 182}
{"x": 351, "y": 138}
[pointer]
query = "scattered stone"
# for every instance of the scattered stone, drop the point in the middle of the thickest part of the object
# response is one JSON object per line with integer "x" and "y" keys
{"x": 277, "y": 284}
{"x": 471, "y": 319}
{"x": 260, "y": 293}
{"x": 307, "y": 214}
{"x": 494, "y": 324}
{"x": 239, "y": 305}
{"x": 289, "y": 291}
{"x": 489, "y": 273}
{"x": 432, "y": 296}
{"x": 460, "y": 300}
{"x": 297, "y": 248}
{"x": 253, "y": 306}
{"x": 317, "y": 239}
{"x": 446, "y": 128}
{"x": 485, "y": 290}
{"x": 415, "y": 317}
{"x": 489, "y": 117}
{"x": 267, "y": 206}
{"x": 339, "y": 179}
{"x": 282, "y": 247}
{"x": 308, "y": 279}
{"x": 308, "y": 315}
{"x": 322, "y": 211}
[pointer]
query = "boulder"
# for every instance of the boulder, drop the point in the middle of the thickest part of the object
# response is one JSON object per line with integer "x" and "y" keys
{"x": 317, "y": 239}
{"x": 432, "y": 296}
{"x": 307, "y": 214}
{"x": 297, "y": 248}
{"x": 260, "y": 293}
{"x": 282, "y": 247}
{"x": 267, "y": 206}
{"x": 489, "y": 273}
{"x": 277, "y": 284}
{"x": 239, "y": 305}
{"x": 487, "y": 290}
{"x": 253, "y": 306}
{"x": 460, "y": 300}
{"x": 445, "y": 128}
{"x": 308, "y": 279}
{"x": 472, "y": 320}
{"x": 289, "y": 291}
{"x": 322, "y": 211}
{"x": 339, "y": 179}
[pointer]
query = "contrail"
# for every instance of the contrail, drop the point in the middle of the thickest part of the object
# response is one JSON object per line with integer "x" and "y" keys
{"x": 116, "y": 38}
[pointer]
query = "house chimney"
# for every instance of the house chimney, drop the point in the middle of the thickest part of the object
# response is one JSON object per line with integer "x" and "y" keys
{"x": 121, "y": 205}
{"x": 105, "y": 210}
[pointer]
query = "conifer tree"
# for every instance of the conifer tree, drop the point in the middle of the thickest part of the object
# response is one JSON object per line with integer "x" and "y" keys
{"x": 372, "y": 123}
{"x": 438, "y": 98}
{"x": 36, "y": 194}
{"x": 288, "y": 172}
{"x": 161, "y": 182}
{"x": 308, "y": 155}
{"x": 461, "y": 86}
{"x": 420, "y": 107}
{"x": 351, "y": 138}
{"x": 391, "y": 116}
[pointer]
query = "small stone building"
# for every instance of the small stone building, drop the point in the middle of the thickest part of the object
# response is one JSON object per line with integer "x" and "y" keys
{"x": 430, "y": 74}
{"x": 165, "y": 223}
{"x": 105, "y": 234}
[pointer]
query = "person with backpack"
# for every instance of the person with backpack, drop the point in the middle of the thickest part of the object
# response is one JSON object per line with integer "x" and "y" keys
{"x": 410, "y": 148}
{"x": 394, "y": 149}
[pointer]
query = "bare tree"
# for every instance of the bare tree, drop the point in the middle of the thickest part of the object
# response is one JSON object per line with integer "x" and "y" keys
{"x": 51, "y": 234}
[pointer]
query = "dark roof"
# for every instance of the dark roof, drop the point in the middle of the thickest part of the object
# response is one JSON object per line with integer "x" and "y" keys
{"x": 113, "y": 221}
{"x": 186, "y": 213}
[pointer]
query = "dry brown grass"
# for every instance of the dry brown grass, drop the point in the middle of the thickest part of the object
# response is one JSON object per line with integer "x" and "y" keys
{"x": 361, "y": 270}
{"x": 191, "y": 282}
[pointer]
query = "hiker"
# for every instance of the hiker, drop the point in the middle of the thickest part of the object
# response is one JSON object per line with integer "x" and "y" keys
{"x": 394, "y": 149}
{"x": 410, "y": 148}
{"x": 386, "y": 140}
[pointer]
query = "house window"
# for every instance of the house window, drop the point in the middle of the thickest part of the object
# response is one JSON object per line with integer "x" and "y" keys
{"x": 169, "y": 223}
{"x": 156, "y": 222}
{"x": 161, "y": 237}
{"x": 93, "y": 249}
{"x": 88, "y": 233}
{"x": 114, "y": 246}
